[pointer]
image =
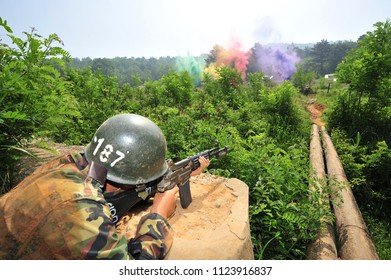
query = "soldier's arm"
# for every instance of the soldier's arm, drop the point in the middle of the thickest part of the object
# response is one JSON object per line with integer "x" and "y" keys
{"x": 95, "y": 236}
{"x": 154, "y": 235}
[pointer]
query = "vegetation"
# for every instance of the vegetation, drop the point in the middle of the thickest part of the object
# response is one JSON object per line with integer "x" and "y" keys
{"x": 324, "y": 57}
{"x": 360, "y": 122}
{"x": 47, "y": 95}
{"x": 358, "y": 117}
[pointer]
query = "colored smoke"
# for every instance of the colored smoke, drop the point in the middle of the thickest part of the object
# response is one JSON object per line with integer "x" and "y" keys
{"x": 194, "y": 65}
{"x": 275, "y": 62}
{"x": 233, "y": 57}
{"x": 278, "y": 63}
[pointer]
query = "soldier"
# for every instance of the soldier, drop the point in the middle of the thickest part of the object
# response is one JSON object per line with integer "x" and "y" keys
{"x": 67, "y": 208}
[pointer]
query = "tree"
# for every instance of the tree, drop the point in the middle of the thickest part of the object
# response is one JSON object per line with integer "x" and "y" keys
{"x": 324, "y": 57}
{"x": 320, "y": 53}
{"x": 176, "y": 88}
{"x": 302, "y": 79}
{"x": 363, "y": 114}
{"x": 338, "y": 51}
{"x": 367, "y": 71}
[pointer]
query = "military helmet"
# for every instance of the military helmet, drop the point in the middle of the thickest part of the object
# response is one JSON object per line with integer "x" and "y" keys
{"x": 131, "y": 147}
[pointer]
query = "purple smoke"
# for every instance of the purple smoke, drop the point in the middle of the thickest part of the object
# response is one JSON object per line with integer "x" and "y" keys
{"x": 277, "y": 63}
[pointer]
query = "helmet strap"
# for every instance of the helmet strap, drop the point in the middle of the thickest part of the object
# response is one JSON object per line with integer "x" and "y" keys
{"x": 98, "y": 173}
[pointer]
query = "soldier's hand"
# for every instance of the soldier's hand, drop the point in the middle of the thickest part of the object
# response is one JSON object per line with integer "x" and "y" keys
{"x": 204, "y": 163}
{"x": 164, "y": 203}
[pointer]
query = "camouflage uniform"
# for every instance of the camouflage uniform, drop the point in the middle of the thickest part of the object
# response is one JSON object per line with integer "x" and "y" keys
{"x": 59, "y": 212}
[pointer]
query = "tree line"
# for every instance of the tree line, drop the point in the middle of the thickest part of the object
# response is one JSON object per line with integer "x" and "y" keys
{"x": 320, "y": 58}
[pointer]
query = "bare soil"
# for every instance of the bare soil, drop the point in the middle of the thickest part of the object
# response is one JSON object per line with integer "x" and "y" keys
{"x": 315, "y": 111}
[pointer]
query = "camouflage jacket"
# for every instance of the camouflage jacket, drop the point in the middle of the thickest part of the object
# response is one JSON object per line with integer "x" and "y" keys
{"x": 58, "y": 212}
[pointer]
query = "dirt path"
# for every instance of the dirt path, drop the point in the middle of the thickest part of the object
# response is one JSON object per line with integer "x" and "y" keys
{"x": 315, "y": 110}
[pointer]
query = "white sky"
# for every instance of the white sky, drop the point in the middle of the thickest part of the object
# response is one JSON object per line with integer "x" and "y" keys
{"x": 154, "y": 28}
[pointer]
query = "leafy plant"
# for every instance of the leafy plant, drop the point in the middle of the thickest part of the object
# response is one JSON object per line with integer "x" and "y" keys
{"x": 34, "y": 99}
{"x": 285, "y": 214}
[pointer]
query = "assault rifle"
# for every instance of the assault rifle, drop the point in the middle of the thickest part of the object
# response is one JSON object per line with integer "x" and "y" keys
{"x": 179, "y": 172}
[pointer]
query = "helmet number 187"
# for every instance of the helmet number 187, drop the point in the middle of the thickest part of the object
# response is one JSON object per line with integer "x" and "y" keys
{"x": 107, "y": 151}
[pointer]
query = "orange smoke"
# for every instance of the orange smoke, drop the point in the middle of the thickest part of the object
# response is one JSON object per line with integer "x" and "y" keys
{"x": 233, "y": 57}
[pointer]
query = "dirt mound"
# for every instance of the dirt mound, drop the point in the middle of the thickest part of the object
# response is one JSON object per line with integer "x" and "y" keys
{"x": 214, "y": 226}
{"x": 28, "y": 164}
